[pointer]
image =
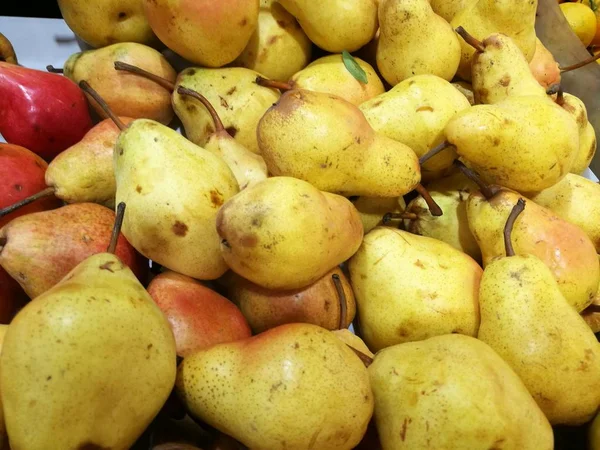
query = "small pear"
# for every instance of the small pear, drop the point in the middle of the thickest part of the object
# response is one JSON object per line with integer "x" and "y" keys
{"x": 372, "y": 210}
{"x": 347, "y": 157}
{"x": 410, "y": 287}
{"x": 127, "y": 95}
{"x": 310, "y": 388}
{"x": 264, "y": 239}
{"x": 453, "y": 391}
{"x": 414, "y": 40}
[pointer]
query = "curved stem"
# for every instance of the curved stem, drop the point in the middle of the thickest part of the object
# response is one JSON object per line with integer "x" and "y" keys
{"x": 26, "y": 201}
{"x": 471, "y": 40}
{"x": 341, "y": 298}
{"x": 366, "y": 359}
{"x": 485, "y": 189}
{"x": 388, "y": 217}
{"x": 434, "y": 151}
{"x": 169, "y": 86}
{"x": 514, "y": 213}
{"x": 560, "y": 96}
{"x": 112, "y": 246}
{"x": 281, "y": 85}
{"x": 202, "y": 99}
{"x": 434, "y": 208}
{"x": 7, "y": 51}
{"x": 585, "y": 62}
{"x": 85, "y": 87}
{"x": 50, "y": 68}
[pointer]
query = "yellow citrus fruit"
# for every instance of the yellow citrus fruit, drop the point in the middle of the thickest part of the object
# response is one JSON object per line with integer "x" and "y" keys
{"x": 582, "y": 21}
{"x": 595, "y": 6}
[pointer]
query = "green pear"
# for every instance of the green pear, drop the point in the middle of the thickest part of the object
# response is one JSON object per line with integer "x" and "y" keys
{"x": 264, "y": 237}
{"x": 346, "y": 157}
{"x": 410, "y": 287}
{"x": 415, "y": 112}
{"x": 514, "y": 18}
{"x": 414, "y": 41}
{"x": 173, "y": 190}
{"x": 526, "y": 143}
{"x": 296, "y": 387}
{"x": 238, "y": 100}
{"x": 336, "y": 25}
{"x": 372, "y": 210}
{"x": 528, "y": 321}
{"x": 453, "y": 391}
{"x": 87, "y": 364}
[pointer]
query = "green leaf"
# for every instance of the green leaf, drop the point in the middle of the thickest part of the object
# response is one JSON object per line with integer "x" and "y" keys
{"x": 352, "y": 66}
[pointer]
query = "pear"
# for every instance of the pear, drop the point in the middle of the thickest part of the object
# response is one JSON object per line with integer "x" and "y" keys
{"x": 591, "y": 314}
{"x": 238, "y": 100}
{"x": 453, "y": 391}
{"x": 576, "y": 200}
{"x": 352, "y": 340}
{"x": 264, "y": 239}
{"x": 415, "y": 41}
{"x": 565, "y": 248}
{"x": 248, "y": 168}
{"x": 514, "y": 18}
{"x": 173, "y": 190}
{"x": 106, "y": 22}
{"x": 450, "y": 8}
{"x": 328, "y": 302}
{"x": 415, "y": 113}
{"x": 544, "y": 67}
{"x": 465, "y": 89}
{"x": 336, "y": 25}
{"x": 373, "y": 210}
{"x": 451, "y": 193}
{"x": 346, "y": 157}
{"x": 127, "y": 95}
{"x": 526, "y": 143}
{"x": 205, "y": 33}
{"x": 528, "y": 321}
{"x": 279, "y": 47}
{"x": 296, "y": 386}
{"x": 587, "y": 150}
{"x": 410, "y": 287}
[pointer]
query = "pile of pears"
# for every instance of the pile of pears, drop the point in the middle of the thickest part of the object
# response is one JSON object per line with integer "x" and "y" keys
{"x": 303, "y": 225}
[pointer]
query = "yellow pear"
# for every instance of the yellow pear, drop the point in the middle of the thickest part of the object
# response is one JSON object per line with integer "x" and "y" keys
{"x": 373, "y": 209}
{"x": 296, "y": 387}
{"x": 415, "y": 112}
{"x": 453, "y": 391}
{"x": 414, "y": 41}
{"x": 587, "y": 149}
{"x": 264, "y": 239}
{"x": 352, "y": 340}
{"x": 450, "y": 8}
{"x": 410, "y": 287}
{"x": 346, "y": 157}
{"x": 279, "y": 47}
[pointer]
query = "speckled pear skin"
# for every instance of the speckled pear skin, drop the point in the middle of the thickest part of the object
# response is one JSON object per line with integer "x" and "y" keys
{"x": 293, "y": 387}
{"x": 89, "y": 363}
{"x": 453, "y": 389}
{"x": 526, "y": 319}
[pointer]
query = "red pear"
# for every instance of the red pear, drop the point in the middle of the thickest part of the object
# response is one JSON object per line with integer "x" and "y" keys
{"x": 199, "y": 316}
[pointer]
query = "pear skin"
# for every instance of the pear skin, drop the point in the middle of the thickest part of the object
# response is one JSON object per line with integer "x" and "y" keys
{"x": 353, "y": 341}
{"x": 543, "y": 66}
{"x": 310, "y": 388}
{"x": 373, "y": 209}
{"x": 450, "y": 8}
{"x": 587, "y": 150}
{"x": 113, "y": 353}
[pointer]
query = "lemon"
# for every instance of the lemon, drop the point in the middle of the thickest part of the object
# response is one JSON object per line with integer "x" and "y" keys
{"x": 581, "y": 19}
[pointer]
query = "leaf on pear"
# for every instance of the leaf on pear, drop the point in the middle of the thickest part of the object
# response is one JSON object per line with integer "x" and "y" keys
{"x": 354, "y": 68}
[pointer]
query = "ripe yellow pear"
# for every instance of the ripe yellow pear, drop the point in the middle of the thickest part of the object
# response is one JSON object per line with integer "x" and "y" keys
{"x": 587, "y": 149}
{"x": 449, "y": 8}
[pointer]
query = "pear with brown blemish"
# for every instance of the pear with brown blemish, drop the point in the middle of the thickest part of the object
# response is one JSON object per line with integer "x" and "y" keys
{"x": 528, "y": 321}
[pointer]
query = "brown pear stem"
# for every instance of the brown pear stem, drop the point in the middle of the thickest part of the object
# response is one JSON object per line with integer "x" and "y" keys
{"x": 434, "y": 151}
{"x": 388, "y": 217}
{"x": 485, "y": 189}
{"x": 281, "y": 85}
{"x": 366, "y": 359}
{"x": 470, "y": 39}
{"x": 112, "y": 246}
{"x": 553, "y": 89}
{"x": 593, "y": 308}
{"x": 120, "y": 65}
{"x": 202, "y": 99}
{"x": 560, "y": 96}
{"x": 510, "y": 222}
{"x": 85, "y": 87}
{"x": 585, "y": 62}
{"x": 50, "y": 68}
{"x": 26, "y": 201}
{"x": 434, "y": 208}
{"x": 341, "y": 299}
{"x": 7, "y": 51}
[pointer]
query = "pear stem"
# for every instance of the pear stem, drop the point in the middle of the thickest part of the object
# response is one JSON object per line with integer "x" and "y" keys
{"x": 470, "y": 39}
{"x": 585, "y": 62}
{"x": 560, "y": 96}
{"x": 202, "y": 99}
{"x": 112, "y": 246}
{"x": 341, "y": 298}
{"x": 434, "y": 208}
{"x": 388, "y": 217}
{"x": 7, "y": 51}
{"x": 50, "y": 68}
{"x": 169, "y": 86}
{"x": 85, "y": 87}
{"x": 514, "y": 213}
{"x": 366, "y": 359}
{"x": 434, "y": 151}
{"x": 281, "y": 85}
{"x": 593, "y": 308}
{"x": 485, "y": 189}
{"x": 553, "y": 89}
{"x": 26, "y": 201}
